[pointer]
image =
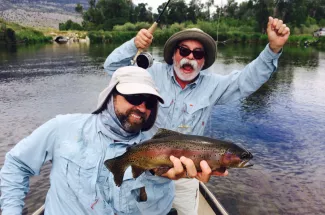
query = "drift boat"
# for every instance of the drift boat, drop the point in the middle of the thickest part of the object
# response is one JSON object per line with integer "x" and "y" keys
{"x": 208, "y": 204}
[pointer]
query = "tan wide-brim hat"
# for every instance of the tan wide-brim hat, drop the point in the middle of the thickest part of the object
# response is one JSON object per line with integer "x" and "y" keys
{"x": 205, "y": 39}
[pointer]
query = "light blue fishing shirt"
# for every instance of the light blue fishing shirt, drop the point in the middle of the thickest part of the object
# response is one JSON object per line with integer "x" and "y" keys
{"x": 187, "y": 110}
{"x": 80, "y": 183}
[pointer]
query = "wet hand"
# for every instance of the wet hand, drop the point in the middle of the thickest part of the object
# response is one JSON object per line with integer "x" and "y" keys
{"x": 278, "y": 34}
{"x": 143, "y": 39}
{"x": 185, "y": 168}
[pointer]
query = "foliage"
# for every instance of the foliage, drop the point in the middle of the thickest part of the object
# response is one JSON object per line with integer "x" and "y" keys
{"x": 70, "y": 25}
{"x": 79, "y": 8}
{"x": 110, "y": 36}
{"x": 132, "y": 27}
{"x": 248, "y": 16}
{"x": 19, "y": 34}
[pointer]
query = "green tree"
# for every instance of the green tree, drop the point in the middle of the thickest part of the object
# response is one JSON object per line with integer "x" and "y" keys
{"x": 231, "y": 8}
{"x": 194, "y": 11}
{"x": 177, "y": 12}
{"x": 106, "y": 13}
{"x": 142, "y": 14}
{"x": 79, "y": 8}
{"x": 208, "y": 4}
{"x": 262, "y": 14}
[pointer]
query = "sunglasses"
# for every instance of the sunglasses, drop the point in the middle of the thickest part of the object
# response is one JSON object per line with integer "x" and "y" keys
{"x": 138, "y": 99}
{"x": 198, "y": 54}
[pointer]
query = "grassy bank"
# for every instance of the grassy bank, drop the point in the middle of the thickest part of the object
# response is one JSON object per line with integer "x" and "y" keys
{"x": 223, "y": 32}
{"x": 161, "y": 36}
{"x": 12, "y": 33}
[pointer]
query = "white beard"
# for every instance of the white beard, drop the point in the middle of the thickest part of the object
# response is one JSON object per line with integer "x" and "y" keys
{"x": 187, "y": 76}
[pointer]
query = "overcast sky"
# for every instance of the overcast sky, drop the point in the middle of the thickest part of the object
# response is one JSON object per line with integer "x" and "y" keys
{"x": 155, "y": 3}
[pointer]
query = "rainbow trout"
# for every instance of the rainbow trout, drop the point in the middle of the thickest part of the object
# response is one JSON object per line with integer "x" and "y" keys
{"x": 155, "y": 153}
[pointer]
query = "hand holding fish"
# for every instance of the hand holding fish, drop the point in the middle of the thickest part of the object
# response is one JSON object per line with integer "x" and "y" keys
{"x": 143, "y": 39}
{"x": 278, "y": 34}
{"x": 185, "y": 168}
{"x": 170, "y": 153}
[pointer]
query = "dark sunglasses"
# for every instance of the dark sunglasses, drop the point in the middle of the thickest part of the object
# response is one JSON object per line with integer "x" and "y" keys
{"x": 197, "y": 53}
{"x": 138, "y": 99}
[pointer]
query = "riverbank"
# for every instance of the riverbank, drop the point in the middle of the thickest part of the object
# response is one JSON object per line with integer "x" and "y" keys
{"x": 161, "y": 36}
{"x": 12, "y": 33}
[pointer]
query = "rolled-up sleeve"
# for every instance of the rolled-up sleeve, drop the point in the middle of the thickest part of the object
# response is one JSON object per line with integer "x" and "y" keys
{"x": 23, "y": 161}
{"x": 160, "y": 194}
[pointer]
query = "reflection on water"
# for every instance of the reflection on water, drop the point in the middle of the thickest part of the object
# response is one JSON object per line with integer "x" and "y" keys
{"x": 282, "y": 124}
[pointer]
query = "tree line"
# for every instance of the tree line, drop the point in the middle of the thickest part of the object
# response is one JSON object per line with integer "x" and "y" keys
{"x": 105, "y": 14}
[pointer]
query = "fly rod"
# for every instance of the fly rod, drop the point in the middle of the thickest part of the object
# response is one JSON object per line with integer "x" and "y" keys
{"x": 152, "y": 29}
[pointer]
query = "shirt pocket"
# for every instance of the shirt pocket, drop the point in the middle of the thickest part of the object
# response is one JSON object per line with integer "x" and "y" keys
{"x": 80, "y": 175}
{"x": 194, "y": 113}
{"x": 123, "y": 200}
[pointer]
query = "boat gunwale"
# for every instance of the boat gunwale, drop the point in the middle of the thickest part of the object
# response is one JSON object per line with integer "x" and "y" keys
{"x": 211, "y": 200}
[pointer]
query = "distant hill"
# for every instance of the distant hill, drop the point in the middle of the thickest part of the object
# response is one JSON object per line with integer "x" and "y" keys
{"x": 41, "y": 14}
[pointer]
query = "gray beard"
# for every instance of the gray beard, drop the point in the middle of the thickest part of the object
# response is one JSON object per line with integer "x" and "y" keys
{"x": 183, "y": 76}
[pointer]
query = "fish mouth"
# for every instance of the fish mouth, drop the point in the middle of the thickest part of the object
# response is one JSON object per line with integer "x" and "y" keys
{"x": 245, "y": 164}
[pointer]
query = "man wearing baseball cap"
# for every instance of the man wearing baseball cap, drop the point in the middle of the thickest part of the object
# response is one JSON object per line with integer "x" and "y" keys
{"x": 190, "y": 87}
{"x": 78, "y": 144}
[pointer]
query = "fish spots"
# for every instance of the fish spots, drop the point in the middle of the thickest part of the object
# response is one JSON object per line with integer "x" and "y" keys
{"x": 155, "y": 153}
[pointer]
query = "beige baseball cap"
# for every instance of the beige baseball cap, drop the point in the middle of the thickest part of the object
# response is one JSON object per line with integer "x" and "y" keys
{"x": 129, "y": 80}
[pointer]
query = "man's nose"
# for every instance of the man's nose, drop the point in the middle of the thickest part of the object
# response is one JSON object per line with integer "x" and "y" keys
{"x": 142, "y": 107}
{"x": 190, "y": 56}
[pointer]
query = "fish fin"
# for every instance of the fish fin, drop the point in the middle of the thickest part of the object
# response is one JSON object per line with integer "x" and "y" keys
{"x": 161, "y": 170}
{"x": 117, "y": 166}
{"x": 137, "y": 171}
{"x": 162, "y": 132}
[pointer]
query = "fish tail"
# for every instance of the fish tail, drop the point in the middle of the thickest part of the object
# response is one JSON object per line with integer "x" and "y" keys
{"x": 117, "y": 166}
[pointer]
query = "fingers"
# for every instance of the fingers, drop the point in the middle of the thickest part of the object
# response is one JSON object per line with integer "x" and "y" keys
{"x": 286, "y": 31}
{"x": 205, "y": 175}
{"x": 270, "y": 22}
{"x": 278, "y": 26}
{"x": 281, "y": 29}
{"x": 189, "y": 167}
{"x": 174, "y": 173}
{"x": 143, "y": 39}
{"x": 185, "y": 168}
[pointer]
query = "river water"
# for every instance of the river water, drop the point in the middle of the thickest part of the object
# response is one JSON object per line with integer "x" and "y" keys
{"x": 282, "y": 124}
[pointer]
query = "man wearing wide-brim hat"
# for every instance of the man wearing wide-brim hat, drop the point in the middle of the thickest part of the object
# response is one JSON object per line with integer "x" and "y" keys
{"x": 190, "y": 87}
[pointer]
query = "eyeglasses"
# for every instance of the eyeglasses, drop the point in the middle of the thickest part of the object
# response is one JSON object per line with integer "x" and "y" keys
{"x": 197, "y": 53}
{"x": 138, "y": 99}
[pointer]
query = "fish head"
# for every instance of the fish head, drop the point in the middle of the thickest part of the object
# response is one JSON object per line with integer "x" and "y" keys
{"x": 236, "y": 157}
